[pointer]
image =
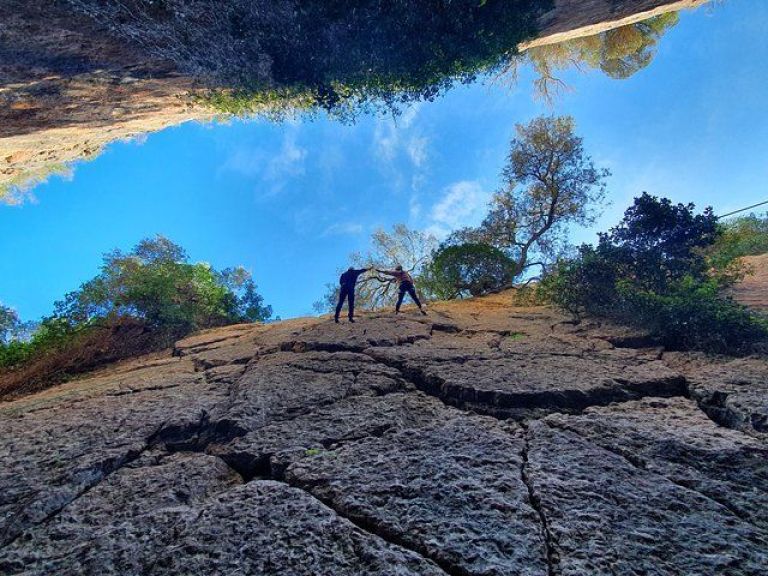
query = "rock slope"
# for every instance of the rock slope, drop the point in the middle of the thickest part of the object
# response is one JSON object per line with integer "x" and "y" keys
{"x": 483, "y": 440}
{"x": 753, "y": 290}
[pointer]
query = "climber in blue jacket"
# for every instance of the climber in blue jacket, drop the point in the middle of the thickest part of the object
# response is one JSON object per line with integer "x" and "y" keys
{"x": 347, "y": 282}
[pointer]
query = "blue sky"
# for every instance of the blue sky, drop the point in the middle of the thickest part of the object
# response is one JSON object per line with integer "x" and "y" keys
{"x": 289, "y": 201}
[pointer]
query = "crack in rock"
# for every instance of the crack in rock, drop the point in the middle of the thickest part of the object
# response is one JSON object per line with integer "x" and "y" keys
{"x": 103, "y": 471}
{"x": 376, "y": 530}
{"x": 524, "y": 404}
{"x": 641, "y": 464}
{"x": 549, "y": 541}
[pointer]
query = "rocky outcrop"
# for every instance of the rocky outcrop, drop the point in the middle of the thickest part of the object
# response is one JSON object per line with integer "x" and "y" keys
{"x": 67, "y": 90}
{"x": 76, "y": 76}
{"x": 483, "y": 440}
{"x": 734, "y": 392}
{"x": 571, "y": 19}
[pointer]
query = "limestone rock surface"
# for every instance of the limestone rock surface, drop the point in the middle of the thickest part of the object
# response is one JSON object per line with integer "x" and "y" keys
{"x": 734, "y": 392}
{"x": 482, "y": 440}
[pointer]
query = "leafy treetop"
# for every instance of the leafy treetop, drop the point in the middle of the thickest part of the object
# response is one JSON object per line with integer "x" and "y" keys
{"x": 156, "y": 283}
{"x": 549, "y": 182}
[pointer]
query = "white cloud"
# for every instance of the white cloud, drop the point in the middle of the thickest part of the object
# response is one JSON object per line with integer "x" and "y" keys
{"x": 463, "y": 203}
{"x": 386, "y": 140}
{"x": 274, "y": 169}
{"x": 408, "y": 115}
{"x": 393, "y": 137}
{"x": 414, "y": 207}
{"x": 247, "y": 162}
{"x": 417, "y": 150}
{"x": 343, "y": 229}
{"x": 289, "y": 162}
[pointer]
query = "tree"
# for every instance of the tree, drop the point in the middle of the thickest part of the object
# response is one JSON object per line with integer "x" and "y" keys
{"x": 651, "y": 271}
{"x": 412, "y": 249}
{"x": 659, "y": 242}
{"x": 656, "y": 246}
{"x": 743, "y": 236}
{"x": 156, "y": 283}
{"x": 549, "y": 182}
{"x": 619, "y": 53}
{"x": 9, "y": 324}
{"x": 468, "y": 270}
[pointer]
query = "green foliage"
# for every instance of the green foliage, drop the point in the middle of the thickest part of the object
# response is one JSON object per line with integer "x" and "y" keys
{"x": 14, "y": 353}
{"x": 344, "y": 55}
{"x": 156, "y": 283}
{"x": 651, "y": 272}
{"x": 468, "y": 270}
{"x": 694, "y": 315}
{"x": 549, "y": 183}
{"x": 744, "y": 236}
{"x": 51, "y": 334}
{"x": 15, "y": 345}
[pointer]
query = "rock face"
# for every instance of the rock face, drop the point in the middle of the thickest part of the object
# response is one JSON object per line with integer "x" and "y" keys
{"x": 67, "y": 90}
{"x": 569, "y": 19}
{"x": 76, "y": 76}
{"x": 753, "y": 290}
{"x": 482, "y": 440}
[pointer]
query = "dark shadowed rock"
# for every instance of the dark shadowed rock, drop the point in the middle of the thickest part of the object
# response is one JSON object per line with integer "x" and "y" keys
{"x": 524, "y": 385}
{"x": 269, "y": 450}
{"x": 733, "y": 393}
{"x": 452, "y": 490}
{"x": 285, "y": 385}
{"x": 121, "y": 525}
{"x": 165, "y": 516}
{"x": 266, "y": 527}
{"x": 674, "y": 438}
{"x": 59, "y": 444}
{"x": 605, "y": 515}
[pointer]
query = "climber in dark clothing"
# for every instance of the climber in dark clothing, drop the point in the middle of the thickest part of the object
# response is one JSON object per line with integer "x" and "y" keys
{"x": 347, "y": 283}
{"x": 406, "y": 285}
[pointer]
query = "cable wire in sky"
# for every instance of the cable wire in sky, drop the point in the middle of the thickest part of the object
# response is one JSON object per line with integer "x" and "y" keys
{"x": 742, "y": 210}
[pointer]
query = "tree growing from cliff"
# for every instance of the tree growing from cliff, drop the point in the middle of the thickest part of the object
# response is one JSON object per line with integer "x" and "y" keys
{"x": 619, "y": 53}
{"x": 652, "y": 272}
{"x": 549, "y": 183}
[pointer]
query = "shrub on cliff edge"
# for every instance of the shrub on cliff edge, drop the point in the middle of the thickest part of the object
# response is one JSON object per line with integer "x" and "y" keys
{"x": 652, "y": 271}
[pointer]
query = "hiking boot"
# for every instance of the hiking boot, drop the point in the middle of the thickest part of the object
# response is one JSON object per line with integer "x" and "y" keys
{"x": 336, "y": 320}
{"x": 424, "y": 312}
{"x": 352, "y": 320}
